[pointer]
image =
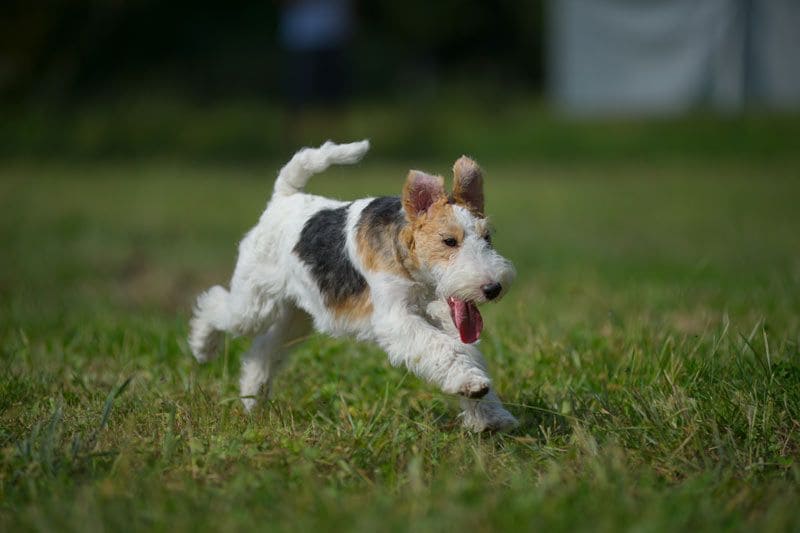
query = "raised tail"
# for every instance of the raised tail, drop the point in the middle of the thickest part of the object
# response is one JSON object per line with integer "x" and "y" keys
{"x": 309, "y": 161}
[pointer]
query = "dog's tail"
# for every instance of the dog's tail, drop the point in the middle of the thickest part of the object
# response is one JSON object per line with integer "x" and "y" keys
{"x": 208, "y": 324}
{"x": 309, "y": 161}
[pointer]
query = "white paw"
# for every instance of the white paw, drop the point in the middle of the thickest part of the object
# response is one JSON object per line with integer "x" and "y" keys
{"x": 473, "y": 383}
{"x": 248, "y": 404}
{"x": 474, "y": 388}
{"x": 501, "y": 423}
{"x": 487, "y": 414}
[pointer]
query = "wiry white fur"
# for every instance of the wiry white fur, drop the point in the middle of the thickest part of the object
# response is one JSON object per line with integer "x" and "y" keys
{"x": 476, "y": 264}
{"x": 272, "y": 295}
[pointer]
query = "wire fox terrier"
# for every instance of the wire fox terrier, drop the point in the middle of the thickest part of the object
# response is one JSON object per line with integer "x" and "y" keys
{"x": 404, "y": 272}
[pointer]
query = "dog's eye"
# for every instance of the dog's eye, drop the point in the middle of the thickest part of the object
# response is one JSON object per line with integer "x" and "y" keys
{"x": 488, "y": 239}
{"x": 450, "y": 241}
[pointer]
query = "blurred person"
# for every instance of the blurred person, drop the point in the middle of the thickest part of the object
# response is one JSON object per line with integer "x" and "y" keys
{"x": 315, "y": 34}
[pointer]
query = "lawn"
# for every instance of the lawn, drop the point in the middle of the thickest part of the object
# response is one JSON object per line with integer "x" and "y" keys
{"x": 650, "y": 349}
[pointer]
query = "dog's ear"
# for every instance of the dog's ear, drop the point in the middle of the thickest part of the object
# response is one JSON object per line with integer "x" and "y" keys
{"x": 468, "y": 184}
{"x": 420, "y": 192}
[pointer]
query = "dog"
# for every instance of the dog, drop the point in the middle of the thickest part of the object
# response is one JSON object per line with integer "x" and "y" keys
{"x": 407, "y": 273}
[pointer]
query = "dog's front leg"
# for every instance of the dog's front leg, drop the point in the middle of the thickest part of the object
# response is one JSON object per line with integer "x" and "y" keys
{"x": 484, "y": 414}
{"x": 430, "y": 353}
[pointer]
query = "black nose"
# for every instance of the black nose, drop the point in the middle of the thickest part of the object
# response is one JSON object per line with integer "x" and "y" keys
{"x": 491, "y": 290}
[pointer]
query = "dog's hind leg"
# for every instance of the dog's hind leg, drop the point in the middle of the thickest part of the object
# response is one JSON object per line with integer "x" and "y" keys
{"x": 218, "y": 310}
{"x": 268, "y": 353}
{"x": 211, "y": 315}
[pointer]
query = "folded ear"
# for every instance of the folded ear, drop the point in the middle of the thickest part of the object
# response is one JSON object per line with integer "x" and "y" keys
{"x": 420, "y": 192}
{"x": 468, "y": 184}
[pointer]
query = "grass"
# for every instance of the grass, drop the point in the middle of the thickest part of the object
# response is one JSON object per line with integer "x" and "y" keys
{"x": 498, "y": 125}
{"x": 650, "y": 349}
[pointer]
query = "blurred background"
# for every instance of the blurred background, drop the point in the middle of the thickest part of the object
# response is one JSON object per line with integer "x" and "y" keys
{"x": 623, "y": 140}
{"x": 642, "y": 163}
{"x": 249, "y": 79}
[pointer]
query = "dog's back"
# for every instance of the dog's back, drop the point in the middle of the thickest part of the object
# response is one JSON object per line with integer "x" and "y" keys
{"x": 267, "y": 266}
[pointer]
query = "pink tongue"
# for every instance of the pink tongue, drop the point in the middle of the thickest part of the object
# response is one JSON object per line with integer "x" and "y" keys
{"x": 467, "y": 319}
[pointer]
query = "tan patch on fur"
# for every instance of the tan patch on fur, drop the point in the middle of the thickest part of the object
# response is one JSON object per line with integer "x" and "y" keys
{"x": 354, "y": 307}
{"x": 468, "y": 185}
{"x": 378, "y": 249}
{"x": 428, "y": 231}
{"x": 482, "y": 227}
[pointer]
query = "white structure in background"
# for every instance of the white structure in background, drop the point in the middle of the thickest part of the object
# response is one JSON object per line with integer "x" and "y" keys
{"x": 666, "y": 56}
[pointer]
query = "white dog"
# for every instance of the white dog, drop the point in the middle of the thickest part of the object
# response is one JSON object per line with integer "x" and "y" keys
{"x": 404, "y": 272}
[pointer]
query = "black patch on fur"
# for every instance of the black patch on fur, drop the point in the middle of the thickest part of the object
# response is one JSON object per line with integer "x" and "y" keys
{"x": 380, "y": 213}
{"x": 383, "y": 211}
{"x": 322, "y": 246}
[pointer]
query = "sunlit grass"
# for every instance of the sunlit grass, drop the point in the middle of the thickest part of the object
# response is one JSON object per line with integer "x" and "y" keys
{"x": 649, "y": 348}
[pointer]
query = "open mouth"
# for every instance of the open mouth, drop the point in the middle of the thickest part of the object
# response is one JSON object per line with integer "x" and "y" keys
{"x": 466, "y": 318}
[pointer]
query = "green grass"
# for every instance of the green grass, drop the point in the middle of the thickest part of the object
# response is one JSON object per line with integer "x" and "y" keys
{"x": 650, "y": 349}
{"x": 495, "y": 125}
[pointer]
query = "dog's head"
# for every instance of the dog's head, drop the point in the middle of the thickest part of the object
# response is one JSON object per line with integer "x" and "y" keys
{"x": 450, "y": 245}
